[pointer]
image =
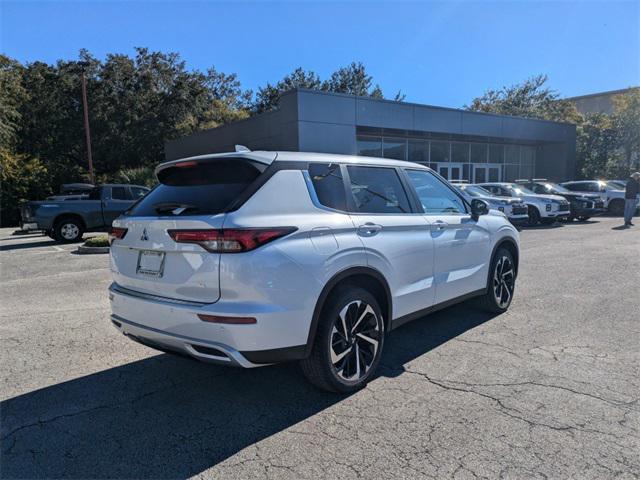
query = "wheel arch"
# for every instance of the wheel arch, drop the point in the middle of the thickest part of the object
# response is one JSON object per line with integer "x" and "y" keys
{"x": 509, "y": 244}
{"x": 365, "y": 277}
{"x": 60, "y": 217}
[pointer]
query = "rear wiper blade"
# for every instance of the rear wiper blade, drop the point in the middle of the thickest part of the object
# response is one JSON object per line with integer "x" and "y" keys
{"x": 173, "y": 207}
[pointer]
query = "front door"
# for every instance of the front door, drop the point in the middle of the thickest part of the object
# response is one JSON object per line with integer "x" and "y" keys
{"x": 462, "y": 244}
{"x": 486, "y": 173}
{"x": 451, "y": 171}
{"x": 397, "y": 240}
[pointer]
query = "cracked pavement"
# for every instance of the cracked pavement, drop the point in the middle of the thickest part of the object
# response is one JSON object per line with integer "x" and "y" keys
{"x": 548, "y": 390}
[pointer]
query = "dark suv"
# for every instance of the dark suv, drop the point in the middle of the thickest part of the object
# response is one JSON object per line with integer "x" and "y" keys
{"x": 583, "y": 205}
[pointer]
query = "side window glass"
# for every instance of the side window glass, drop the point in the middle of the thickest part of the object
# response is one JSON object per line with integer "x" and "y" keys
{"x": 138, "y": 192}
{"x": 328, "y": 185}
{"x": 435, "y": 196}
{"x": 377, "y": 190}
{"x": 95, "y": 194}
{"x": 119, "y": 193}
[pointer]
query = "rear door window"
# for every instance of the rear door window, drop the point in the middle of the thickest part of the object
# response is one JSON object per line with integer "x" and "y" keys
{"x": 198, "y": 188}
{"x": 377, "y": 190}
{"x": 120, "y": 193}
{"x": 328, "y": 185}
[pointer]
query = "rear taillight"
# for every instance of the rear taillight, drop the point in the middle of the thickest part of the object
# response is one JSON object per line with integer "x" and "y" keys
{"x": 116, "y": 233}
{"x": 232, "y": 240}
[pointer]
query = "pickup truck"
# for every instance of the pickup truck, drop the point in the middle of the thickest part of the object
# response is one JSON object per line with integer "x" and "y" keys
{"x": 66, "y": 220}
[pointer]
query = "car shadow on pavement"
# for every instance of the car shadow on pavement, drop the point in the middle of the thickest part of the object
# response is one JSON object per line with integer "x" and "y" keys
{"x": 23, "y": 246}
{"x": 169, "y": 417}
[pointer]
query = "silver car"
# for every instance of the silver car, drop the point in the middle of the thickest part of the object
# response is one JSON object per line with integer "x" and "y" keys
{"x": 252, "y": 258}
{"x": 514, "y": 208}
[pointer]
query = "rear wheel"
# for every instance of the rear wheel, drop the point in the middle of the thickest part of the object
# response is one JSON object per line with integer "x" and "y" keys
{"x": 534, "y": 216}
{"x": 502, "y": 283}
{"x": 68, "y": 230}
{"x": 348, "y": 343}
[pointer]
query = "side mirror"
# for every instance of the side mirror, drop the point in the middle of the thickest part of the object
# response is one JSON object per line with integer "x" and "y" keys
{"x": 478, "y": 207}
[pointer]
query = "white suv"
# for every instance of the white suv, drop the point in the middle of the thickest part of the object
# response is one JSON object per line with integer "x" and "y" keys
{"x": 542, "y": 208}
{"x": 610, "y": 192}
{"x": 253, "y": 258}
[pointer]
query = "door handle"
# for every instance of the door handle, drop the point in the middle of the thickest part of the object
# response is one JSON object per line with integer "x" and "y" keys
{"x": 369, "y": 229}
{"x": 439, "y": 225}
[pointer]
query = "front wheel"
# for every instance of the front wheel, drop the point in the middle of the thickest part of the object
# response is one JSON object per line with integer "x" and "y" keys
{"x": 534, "y": 216}
{"x": 502, "y": 283}
{"x": 348, "y": 343}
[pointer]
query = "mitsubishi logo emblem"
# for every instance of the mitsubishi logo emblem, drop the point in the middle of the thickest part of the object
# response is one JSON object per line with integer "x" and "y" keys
{"x": 144, "y": 237}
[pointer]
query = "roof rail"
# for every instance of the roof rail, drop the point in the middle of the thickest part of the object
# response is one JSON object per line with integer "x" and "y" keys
{"x": 522, "y": 180}
{"x": 242, "y": 148}
{"x": 540, "y": 180}
{"x": 458, "y": 181}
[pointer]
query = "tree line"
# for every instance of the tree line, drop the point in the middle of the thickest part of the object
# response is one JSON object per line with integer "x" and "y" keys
{"x": 137, "y": 102}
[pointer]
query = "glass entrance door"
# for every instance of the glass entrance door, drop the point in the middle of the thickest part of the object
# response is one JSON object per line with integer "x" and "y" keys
{"x": 487, "y": 173}
{"x": 450, "y": 171}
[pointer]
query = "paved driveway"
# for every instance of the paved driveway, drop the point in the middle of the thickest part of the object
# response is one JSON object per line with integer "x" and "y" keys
{"x": 549, "y": 389}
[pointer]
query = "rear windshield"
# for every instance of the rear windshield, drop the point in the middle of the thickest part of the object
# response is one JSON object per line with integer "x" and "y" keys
{"x": 194, "y": 188}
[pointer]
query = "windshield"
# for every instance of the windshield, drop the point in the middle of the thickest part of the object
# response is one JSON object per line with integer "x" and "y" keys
{"x": 554, "y": 188}
{"x": 616, "y": 185}
{"x": 520, "y": 190}
{"x": 475, "y": 191}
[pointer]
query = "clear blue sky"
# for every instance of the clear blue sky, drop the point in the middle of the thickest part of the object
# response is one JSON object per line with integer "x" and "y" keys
{"x": 436, "y": 53}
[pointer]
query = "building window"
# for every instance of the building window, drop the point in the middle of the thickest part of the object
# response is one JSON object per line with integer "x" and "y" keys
{"x": 496, "y": 153}
{"x": 369, "y": 146}
{"x": 528, "y": 156}
{"x": 512, "y": 154}
{"x": 395, "y": 148}
{"x": 511, "y": 173}
{"x": 460, "y": 152}
{"x": 418, "y": 151}
{"x": 439, "y": 152}
{"x": 478, "y": 153}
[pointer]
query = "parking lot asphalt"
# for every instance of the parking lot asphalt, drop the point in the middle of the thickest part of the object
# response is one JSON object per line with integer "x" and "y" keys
{"x": 549, "y": 389}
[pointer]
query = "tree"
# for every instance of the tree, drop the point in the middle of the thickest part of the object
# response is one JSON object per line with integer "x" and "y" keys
{"x": 268, "y": 96}
{"x": 626, "y": 122}
{"x": 352, "y": 79}
{"x": 530, "y": 99}
{"x": 595, "y": 145}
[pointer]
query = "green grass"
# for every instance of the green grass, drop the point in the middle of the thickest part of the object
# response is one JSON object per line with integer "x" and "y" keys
{"x": 97, "y": 242}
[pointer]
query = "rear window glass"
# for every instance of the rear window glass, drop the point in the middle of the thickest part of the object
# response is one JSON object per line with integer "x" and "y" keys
{"x": 205, "y": 188}
{"x": 328, "y": 185}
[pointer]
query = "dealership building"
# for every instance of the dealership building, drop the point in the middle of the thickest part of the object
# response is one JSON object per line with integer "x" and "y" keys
{"x": 458, "y": 144}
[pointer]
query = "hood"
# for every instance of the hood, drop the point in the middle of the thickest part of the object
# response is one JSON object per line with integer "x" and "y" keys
{"x": 555, "y": 198}
{"x": 581, "y": 196}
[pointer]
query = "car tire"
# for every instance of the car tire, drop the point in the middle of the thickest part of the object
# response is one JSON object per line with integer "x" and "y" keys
{"x": 534, "y": 216}
{"x": 583, "y": 219}
{"x": 68, "y": 230}
{"x": 616, "y": 207}
{"x": 501, "y": 284}
{"x": 348, "y": 342}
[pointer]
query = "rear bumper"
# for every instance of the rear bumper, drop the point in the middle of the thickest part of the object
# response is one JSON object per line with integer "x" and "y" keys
{"x": 278, "y": 335}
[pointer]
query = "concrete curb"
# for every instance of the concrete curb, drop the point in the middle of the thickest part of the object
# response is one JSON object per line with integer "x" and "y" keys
{"x": 84, "y": 250}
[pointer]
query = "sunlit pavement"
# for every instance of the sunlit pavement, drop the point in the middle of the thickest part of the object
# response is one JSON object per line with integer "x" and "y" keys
{"x": 548, "y": 389}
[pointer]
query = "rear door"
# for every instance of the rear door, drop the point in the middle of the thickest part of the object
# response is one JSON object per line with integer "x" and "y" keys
{"x": 191, "y": 196}
{"x": 462, "y": 244}
{"x": 115, "y": 200}
{"x": 397, "y": 240}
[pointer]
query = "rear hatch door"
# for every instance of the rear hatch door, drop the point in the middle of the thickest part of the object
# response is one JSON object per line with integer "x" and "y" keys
{"x": 193, "y": 196}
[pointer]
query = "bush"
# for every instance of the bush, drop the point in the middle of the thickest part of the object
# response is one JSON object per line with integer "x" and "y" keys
{"x": 21, "y": 179}
{"x": 100, "y": 241}
{"x": 136, "y": 176}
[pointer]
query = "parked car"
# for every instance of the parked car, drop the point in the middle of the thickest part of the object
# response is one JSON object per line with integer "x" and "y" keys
{"x": 583, "y": 205}
{"x": 542, "y": 208}
{"x": 66, "y": 220}
{"x": 609, "y": 192}
{"x": 514, "y": 208}
{"x": 253, "y": 258}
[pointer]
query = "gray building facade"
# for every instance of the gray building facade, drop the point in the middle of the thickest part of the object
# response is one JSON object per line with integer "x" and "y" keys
{"x": 457, "y": 143}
